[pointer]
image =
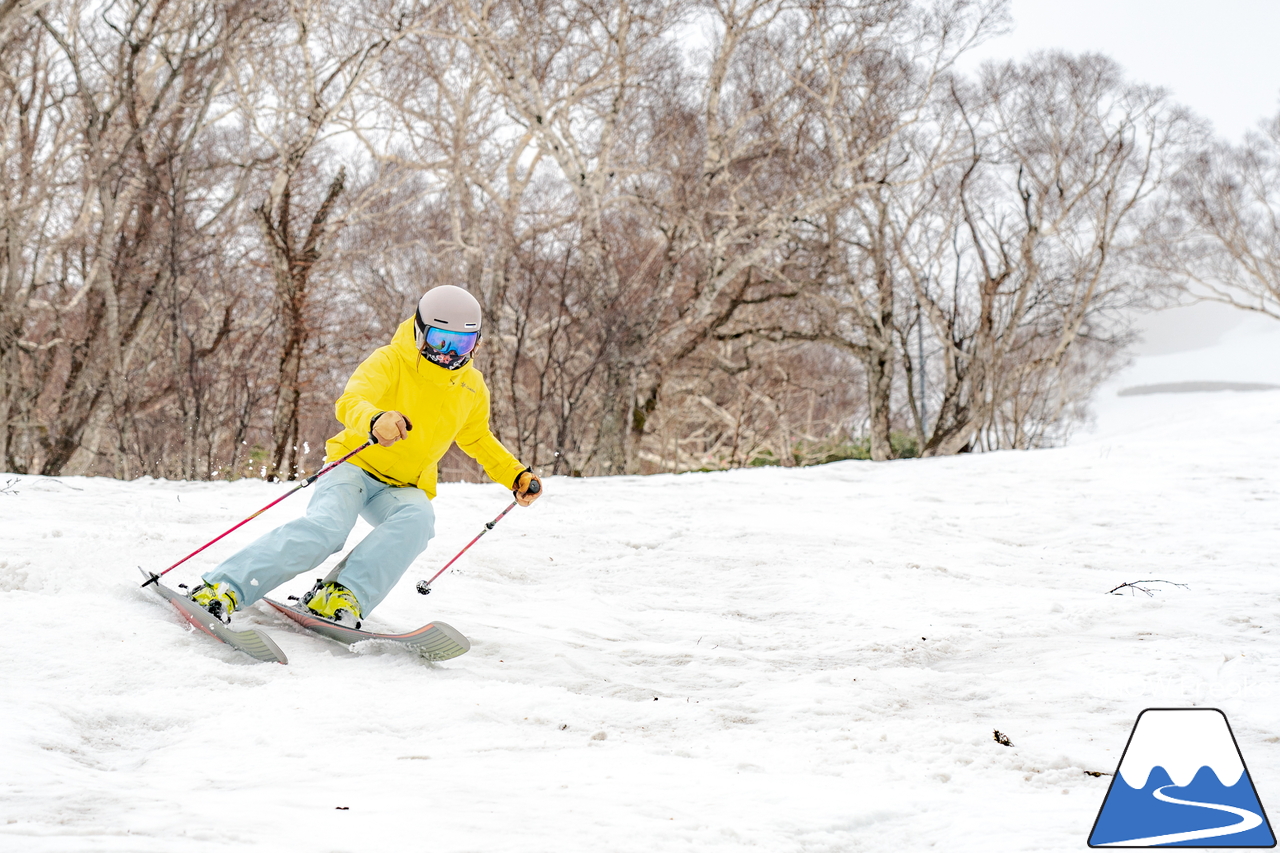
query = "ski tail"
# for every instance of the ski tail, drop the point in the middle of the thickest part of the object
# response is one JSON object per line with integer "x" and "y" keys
{"x": 255, "y": 644}
{"x": 434, "y": 641}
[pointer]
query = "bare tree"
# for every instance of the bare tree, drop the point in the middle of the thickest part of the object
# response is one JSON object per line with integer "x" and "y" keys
{"x": 141, "y": 86}
{"x": 573, "y": 74}
{"x": 1222, "y": 230}
{"x": 874, "y": 85}
{"x": 34, "y": 156}
{"x": 12, "y": 13}
{"x": 488, "y": 218}
{"x": 793, "y": 242}
{"x": 289, "y": 94}
{"x": 1063, "y": 155}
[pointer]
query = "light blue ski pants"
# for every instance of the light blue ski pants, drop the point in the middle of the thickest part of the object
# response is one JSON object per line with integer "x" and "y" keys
{"x": 403, "y": 522}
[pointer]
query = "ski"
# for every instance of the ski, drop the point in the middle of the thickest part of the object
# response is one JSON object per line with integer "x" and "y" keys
{"x": 255, "y": 644}
{"x": 434, "y": 641}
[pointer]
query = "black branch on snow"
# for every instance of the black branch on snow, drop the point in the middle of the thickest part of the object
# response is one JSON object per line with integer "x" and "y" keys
{"x": 1132, "y": 585}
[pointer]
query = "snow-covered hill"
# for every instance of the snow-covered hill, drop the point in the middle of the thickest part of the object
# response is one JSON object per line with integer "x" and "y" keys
{"x": 777, "y": 660}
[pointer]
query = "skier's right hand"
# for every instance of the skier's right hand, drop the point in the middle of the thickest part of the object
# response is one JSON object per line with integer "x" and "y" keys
{"x": 389, "y": 427}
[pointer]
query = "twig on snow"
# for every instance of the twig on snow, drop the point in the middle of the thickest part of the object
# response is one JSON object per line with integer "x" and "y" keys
{"x": 1001, "y": 738}
{"x": 1132, "y": 585}
{"x": 9, "y": 486}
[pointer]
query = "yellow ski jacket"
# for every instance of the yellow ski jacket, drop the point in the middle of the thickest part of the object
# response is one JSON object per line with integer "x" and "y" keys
{"x": 443, "y": 406}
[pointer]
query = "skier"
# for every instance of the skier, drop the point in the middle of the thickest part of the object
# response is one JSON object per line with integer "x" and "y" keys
{"x": 414, "y": 397}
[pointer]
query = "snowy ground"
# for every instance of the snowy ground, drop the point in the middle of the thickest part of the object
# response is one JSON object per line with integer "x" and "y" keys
{"x": 776, "y": 660}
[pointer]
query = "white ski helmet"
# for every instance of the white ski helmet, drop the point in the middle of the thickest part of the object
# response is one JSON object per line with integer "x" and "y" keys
{"x": 446, "y": 326}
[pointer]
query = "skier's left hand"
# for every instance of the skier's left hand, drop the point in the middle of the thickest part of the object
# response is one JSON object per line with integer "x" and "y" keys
{"x": 527, "y": 488}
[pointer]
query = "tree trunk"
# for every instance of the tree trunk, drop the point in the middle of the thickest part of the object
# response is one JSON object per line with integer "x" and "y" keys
{"x": 613, "y": 450}
{"x": 879, "y": 386}
{"x": 291, "y": 267}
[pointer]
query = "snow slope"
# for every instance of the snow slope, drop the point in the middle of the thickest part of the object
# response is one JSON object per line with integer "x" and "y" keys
{"x": 774, "y": 660}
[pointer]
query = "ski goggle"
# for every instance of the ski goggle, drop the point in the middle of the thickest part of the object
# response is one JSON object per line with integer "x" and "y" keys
{"x": 444, "y": 340}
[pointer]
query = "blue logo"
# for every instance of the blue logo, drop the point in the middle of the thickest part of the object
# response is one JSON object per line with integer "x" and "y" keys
{"x": 1182, "y": 783}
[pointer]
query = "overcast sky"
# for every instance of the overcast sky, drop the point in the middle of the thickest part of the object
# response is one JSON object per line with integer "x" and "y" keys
{"x": 1219, "y": 57}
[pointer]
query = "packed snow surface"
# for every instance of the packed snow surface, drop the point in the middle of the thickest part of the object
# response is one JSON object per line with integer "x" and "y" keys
{"x": 769, "y": 659}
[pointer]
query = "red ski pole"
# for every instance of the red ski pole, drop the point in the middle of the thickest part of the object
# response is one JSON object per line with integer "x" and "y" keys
{"x": 307, "y": 482}
{"x": 424, "y": 587}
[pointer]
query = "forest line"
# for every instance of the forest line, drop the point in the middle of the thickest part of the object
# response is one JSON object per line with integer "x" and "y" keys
{"x": 705, "y": 234}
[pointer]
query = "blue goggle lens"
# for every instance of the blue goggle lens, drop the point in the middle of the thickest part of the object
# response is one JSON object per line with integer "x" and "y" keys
{"x": 443, "y": 340}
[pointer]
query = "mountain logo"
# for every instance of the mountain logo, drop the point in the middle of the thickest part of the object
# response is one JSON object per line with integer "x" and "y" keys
{"x": 1182, "y": 783}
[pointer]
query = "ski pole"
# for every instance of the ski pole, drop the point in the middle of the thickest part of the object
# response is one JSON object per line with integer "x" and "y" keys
{"x": 307, "y": 482}
{"x": 424, "y": 587}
